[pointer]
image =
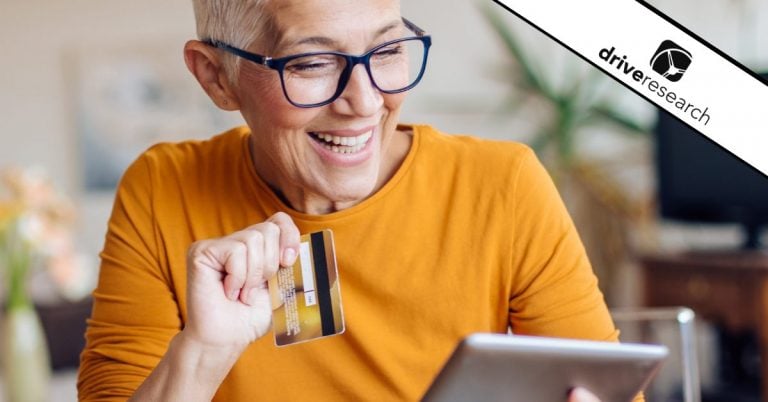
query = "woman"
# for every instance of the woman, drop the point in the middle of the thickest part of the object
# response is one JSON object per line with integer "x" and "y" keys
{"x": 436, "y": 236}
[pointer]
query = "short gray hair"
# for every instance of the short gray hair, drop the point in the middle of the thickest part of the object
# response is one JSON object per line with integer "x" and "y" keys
{"x": 236, "y": 22}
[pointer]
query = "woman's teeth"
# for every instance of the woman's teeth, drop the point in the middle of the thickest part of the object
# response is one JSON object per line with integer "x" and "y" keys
{"x": 343, "y": 145}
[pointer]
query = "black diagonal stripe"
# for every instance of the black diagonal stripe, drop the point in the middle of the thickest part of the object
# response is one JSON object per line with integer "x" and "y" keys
{"x": 322, "y": 284}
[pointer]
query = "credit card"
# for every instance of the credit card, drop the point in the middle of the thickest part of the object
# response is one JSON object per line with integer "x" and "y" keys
{"x": 306, "y": 299}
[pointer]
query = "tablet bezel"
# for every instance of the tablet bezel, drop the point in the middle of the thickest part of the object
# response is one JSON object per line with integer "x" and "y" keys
{"x": 497, "y": 367}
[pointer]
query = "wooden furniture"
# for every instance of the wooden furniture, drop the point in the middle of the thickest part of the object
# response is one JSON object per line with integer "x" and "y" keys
{"x": 729, "y": 289}
{"x": 64, "y": 325}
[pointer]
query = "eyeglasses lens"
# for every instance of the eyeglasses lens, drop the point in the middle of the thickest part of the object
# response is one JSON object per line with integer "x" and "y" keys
{"x": 314, "y": 79}
{"x": 398, "y": 65}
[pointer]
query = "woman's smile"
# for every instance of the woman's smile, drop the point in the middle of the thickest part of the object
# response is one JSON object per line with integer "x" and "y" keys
{"x": 345, "y": 148}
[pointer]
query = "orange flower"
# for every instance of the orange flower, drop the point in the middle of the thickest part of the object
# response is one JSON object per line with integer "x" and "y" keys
{"x": 9, "y": 210}
{"x": 36, "y": 221}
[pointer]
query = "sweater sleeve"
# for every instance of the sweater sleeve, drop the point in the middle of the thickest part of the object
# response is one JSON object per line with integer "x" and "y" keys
{"x": 554, "y": 291}
{"x": 135, "y": 313}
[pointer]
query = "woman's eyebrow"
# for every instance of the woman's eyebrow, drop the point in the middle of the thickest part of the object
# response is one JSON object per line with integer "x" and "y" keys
{"x": 389, "y": 27}
{"x": 329, "y": 42}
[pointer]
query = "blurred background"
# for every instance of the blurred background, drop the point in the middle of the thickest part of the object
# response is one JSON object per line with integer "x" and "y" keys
{"x": 87, "y": 85}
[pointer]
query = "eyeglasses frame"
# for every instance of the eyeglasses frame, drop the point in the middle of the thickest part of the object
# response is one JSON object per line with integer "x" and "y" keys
{"x": 279, "y": 64}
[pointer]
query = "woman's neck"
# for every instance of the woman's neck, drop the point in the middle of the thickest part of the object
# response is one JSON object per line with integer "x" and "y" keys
{"x": 301, "y": 199}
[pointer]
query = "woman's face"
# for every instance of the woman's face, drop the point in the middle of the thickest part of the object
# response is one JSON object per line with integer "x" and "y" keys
{"x": 293, "y": 147}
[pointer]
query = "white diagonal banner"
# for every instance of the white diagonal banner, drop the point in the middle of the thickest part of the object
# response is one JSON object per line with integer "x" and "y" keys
{"x": 664, "y": 63}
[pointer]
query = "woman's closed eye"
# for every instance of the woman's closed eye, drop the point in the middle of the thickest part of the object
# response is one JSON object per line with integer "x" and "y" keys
{"x": 314, "y": 65}
{"x": 393, "y": 50}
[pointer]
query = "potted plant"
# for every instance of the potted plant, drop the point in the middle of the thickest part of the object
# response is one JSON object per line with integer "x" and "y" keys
{"x": 571, "y": 107}
{"x": 35, "y": 232}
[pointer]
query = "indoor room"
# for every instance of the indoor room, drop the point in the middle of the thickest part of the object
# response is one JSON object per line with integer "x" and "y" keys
{"x": 671, "y": 222}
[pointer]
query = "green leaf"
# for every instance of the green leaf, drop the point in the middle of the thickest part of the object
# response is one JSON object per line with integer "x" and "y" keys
{"x": 565, "y": 131}
{"x": 614, "y": 117}
{"x": 532, "y": 79}
{"x": 591, "y": 84}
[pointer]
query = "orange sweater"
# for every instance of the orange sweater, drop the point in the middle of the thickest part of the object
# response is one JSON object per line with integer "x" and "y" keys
{"x": 469, "y": 235}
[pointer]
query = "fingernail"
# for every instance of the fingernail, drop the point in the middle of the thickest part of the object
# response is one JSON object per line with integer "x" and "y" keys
{"x": 289, "y": 256}
{"x": 233, "y": 294}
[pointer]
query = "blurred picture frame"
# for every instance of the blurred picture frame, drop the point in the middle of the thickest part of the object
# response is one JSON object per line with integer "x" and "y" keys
{"x": 127, "y": 98}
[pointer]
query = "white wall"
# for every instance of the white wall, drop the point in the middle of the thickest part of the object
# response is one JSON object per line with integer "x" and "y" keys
{"x": 38, "y": 39}
{"x": 35, "y": 36}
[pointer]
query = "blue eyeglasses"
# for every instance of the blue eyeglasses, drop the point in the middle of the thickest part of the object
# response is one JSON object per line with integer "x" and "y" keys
{"x": 318, "y": 78}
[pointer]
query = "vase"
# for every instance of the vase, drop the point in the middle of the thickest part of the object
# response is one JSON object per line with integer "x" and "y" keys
{"x": 26, "y": 364}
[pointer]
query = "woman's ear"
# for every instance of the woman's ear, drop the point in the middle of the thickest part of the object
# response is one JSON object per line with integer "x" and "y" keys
{"x": 204, "y": 63}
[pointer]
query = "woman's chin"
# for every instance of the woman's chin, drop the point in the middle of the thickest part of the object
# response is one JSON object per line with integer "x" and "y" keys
{"x": 348, "y": 195}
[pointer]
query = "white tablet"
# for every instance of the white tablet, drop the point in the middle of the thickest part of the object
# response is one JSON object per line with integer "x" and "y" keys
{"x": 514, "y": 368}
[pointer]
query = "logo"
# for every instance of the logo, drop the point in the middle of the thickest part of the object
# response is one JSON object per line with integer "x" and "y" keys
{"x": 671, "y": 60}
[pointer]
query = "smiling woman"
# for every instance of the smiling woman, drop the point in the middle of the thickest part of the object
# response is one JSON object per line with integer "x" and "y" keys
{"x": 311, "y": 177}
{"x": 436, "y": 236}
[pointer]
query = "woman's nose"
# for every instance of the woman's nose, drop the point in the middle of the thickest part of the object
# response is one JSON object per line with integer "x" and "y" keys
{"x": 360, "y": 97}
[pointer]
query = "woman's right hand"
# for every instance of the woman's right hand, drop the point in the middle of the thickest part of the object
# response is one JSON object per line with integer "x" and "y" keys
{"x": 227, "y": 296}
